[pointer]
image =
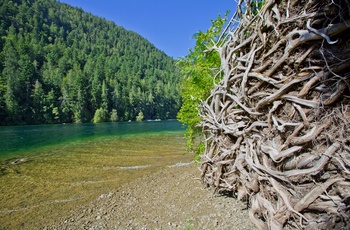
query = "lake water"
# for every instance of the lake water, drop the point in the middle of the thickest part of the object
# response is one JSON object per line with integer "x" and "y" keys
{"x": 48, "y": 170}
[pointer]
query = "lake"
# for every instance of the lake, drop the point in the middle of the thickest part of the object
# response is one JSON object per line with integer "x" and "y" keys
{"x": 48, "y": 170}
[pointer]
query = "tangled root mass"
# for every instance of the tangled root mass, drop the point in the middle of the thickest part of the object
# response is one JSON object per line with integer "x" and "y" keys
{"x": 277, "y": 126}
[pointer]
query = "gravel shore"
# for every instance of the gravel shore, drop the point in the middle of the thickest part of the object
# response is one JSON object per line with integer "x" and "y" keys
{"x": 171, "y": 198}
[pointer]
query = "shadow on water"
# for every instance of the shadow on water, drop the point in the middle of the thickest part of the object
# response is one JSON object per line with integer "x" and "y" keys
{"x": 49, "y": 178}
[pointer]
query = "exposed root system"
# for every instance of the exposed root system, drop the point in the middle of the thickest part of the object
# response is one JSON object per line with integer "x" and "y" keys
{"x": 277, "y": 126}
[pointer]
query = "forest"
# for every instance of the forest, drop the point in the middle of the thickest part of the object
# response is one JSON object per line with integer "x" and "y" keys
{"x": 59, "y": 64}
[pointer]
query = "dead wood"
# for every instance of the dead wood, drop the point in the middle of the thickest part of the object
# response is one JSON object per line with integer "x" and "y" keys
{"x": 277, "y": 126}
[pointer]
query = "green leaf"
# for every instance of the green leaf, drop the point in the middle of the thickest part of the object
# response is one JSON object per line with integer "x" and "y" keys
{"x": 198, "y": 70}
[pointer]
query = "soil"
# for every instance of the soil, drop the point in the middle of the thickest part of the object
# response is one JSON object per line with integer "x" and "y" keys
{"x": 171, "y": 198}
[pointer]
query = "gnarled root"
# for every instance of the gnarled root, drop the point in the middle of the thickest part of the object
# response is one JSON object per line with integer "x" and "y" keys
{"x": 278, "y": 124}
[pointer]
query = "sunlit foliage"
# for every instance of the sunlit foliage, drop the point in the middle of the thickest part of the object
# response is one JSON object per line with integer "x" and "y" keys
{"x": 59, "y": 64}
{"x": 200, "y": 72}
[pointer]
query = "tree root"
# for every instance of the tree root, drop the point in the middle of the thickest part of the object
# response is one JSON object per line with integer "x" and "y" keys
{"x": 277, "y": 126}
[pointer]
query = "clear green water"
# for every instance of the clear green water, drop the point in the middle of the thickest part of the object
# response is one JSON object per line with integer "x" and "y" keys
{"x": 47, "y": 171}
{"x": 15, "y": 139}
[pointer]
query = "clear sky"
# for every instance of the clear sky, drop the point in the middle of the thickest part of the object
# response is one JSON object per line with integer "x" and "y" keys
{"x": 168, "y": 24}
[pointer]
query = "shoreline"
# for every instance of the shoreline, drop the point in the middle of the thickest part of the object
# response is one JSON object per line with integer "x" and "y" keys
{"x": 171, "y": 198}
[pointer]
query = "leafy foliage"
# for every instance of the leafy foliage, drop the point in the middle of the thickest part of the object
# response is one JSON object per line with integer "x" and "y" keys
{"x": 198, "y": 70}
{"x": 140, "y": 116}
{"x": 100, "y": 116}
{"x": 114, "y": 115}
{"x": 59, "y": 64}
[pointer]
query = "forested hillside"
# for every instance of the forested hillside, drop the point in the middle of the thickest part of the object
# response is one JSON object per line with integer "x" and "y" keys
{"x": 59, "y": 64}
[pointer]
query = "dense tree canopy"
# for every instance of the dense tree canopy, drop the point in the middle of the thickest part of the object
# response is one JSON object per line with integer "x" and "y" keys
{"x": 60, "y": 64}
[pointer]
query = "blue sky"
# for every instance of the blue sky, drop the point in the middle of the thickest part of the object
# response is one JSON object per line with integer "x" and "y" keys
{"x": 168, "y": 24}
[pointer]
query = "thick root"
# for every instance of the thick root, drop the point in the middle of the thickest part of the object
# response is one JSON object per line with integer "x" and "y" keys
{"x": 278, "y": 124}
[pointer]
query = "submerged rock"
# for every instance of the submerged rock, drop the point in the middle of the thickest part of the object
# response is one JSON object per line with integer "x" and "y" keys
{"x": 19, "y": 161}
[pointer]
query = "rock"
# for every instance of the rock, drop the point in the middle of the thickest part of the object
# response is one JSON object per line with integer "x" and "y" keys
{"x": 168, "y": 199}
{"x": 19, "y": 161}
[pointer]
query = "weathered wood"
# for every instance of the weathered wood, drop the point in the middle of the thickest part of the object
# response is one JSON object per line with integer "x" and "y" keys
{"x": 278, "y": 124}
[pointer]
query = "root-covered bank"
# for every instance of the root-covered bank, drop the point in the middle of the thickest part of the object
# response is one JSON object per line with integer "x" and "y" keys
{"x": 277, "y": 125}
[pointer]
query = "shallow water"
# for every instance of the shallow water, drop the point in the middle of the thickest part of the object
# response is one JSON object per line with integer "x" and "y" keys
{"x": 51, "y": 178}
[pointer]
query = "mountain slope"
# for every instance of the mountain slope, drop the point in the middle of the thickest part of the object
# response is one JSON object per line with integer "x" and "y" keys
{"x": 60, "y": 64}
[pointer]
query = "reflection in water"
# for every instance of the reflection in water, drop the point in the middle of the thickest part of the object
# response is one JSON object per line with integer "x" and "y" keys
{"x": 49, "y": 181}
{"x": 15, "y": 139}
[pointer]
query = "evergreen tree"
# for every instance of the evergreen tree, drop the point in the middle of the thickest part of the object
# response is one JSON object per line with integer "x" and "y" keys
{"x": 10, "y": 76}
{"x": 60, "y": 64}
